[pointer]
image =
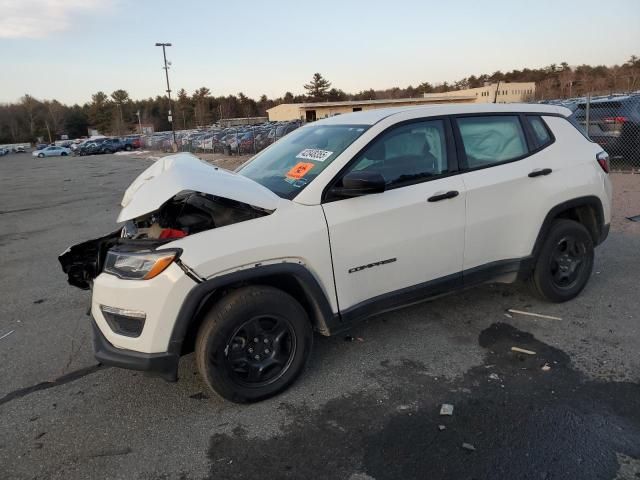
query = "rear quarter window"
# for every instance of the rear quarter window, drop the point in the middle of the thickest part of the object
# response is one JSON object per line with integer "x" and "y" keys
{"x": 541, "y": 133}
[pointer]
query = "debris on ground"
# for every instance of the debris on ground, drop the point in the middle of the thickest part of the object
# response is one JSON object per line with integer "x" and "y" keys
{"x": 469, "y": 447}
{"x": 508, "y": 315}
{"x": 546, "y": 367}
{"x": 446, "y": 409}
{"x": 522, "y": 350}
{"x": 349, "y": 338}
{"x": 635, "y": 218}
{"x": 441, "y": 427}
{"x": 494, "y": 376}
{"x": 531, "y": 314}
{"x": 7, "y": 334}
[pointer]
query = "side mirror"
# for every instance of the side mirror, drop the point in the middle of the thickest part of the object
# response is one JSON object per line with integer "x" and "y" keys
{"x": 357, "y": 184}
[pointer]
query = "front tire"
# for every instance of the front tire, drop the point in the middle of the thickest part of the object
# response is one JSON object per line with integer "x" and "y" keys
{"x": 41, "y": 155}
{"x": 565, "y": 262}
{"x": 253, "y": 344}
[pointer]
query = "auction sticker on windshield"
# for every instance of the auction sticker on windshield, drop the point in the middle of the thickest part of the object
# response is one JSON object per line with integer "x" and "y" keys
{"x": 314, "y": 154}
{"x": 299, "y": 170}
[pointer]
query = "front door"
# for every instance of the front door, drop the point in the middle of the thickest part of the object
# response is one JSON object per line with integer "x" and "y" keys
{"x": 391, "y": 246}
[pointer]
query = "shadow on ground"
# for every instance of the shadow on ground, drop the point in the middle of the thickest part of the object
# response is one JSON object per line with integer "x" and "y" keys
{"x": 523, "y": 420}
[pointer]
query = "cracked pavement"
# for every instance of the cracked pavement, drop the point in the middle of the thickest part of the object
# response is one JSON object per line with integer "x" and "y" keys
{"x": 363, "y": 409}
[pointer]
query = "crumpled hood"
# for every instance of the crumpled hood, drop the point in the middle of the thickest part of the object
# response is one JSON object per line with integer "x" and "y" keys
{"x": 183, "y": 171}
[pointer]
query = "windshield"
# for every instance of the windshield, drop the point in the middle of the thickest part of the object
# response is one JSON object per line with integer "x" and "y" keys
{"x": 294, "y": 161}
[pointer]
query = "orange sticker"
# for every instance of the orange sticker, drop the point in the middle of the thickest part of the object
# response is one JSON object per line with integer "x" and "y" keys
{"x": 299, "y": 170}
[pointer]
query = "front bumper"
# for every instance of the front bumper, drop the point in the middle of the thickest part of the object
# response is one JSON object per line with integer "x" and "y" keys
{"x": 163, "y": 364}
{"x": 160, "y": 298}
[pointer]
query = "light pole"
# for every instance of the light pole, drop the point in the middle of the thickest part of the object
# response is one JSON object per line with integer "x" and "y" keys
{"x": 166, "y": 71}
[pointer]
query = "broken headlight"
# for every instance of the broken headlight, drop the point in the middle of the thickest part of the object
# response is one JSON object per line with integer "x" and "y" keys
{"x": 140, "y": 265}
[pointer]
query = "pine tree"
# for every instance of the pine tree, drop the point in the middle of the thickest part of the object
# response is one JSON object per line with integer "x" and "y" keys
{"x": 318, "y": 87}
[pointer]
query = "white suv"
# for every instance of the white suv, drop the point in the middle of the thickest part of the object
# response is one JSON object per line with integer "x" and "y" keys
{"x": 342, "y": 219}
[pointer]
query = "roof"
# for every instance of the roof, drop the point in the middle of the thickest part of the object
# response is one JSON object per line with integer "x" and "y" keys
{"x": 370, "y": 117}
{"x": 382, "y": 101}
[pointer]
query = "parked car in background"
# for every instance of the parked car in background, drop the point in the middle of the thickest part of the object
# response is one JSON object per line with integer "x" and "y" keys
{"x": 100, "y": 146}
{"x": 389, "y": 207}
{"x": 112, "y": 145}
{"x": 4, "y": 151}
{"x": 614, "y": 124}
{"x": 19, "y": 149}
{"x": 52, "y": 151}
{"x": 88, "y": 148}
{"x": 131, "y": 143}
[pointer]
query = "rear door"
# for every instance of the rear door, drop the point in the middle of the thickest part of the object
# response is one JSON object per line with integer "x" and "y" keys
{"x": 386, "y": 247}
{"x": 507, "y": 182}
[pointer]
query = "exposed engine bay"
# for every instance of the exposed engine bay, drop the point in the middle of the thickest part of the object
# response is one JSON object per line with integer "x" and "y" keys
{"x": 187, "y": 213}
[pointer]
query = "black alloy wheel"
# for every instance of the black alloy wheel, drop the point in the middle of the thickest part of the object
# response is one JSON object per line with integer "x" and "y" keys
{"x": 253, "y": 343}
{"x": 564, "y": 263}
{"x": 261, "y": 350}
{"x": 567, "y": 261}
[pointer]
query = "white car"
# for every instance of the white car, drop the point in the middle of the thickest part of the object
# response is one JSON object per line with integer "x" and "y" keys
{"x": 52, "y": 151}
{"x": 342, "y": 219}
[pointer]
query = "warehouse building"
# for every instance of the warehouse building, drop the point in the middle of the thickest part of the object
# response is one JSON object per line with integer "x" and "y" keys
{"x": 503, "y": 92}
{"x": 310, "y": 112}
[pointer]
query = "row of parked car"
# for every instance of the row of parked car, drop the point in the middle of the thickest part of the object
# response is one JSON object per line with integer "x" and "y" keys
{"x": 245, "y": 139}
{"x": 7, "y": 150}
{"x": 239, "y": 140}
{"x": 613, "y": 123}
{"x": 90, "y": 146}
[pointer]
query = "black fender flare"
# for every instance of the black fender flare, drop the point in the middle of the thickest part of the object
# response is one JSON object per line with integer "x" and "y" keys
{"x": 599, "y": 230}
{"x": 322, "y": 316}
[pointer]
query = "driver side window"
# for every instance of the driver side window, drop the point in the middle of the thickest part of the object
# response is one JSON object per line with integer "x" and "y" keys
{"x": 407, "y": 154}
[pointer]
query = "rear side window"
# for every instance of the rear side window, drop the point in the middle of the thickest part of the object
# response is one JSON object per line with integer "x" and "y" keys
{"x": 541, "y": 135}
{"x": 492, "y": 139}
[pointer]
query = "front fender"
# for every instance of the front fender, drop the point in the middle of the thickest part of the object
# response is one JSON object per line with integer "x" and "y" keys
{"x": 319, "y": 309}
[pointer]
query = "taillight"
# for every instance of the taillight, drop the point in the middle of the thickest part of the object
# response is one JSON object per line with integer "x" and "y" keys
{"x": 615, "y": 119}
{"x": 603, "y": 160}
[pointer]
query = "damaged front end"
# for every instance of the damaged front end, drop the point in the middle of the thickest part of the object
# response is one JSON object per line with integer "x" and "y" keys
{"x": 140, "y": 239}
{"x": 176, "y": 197}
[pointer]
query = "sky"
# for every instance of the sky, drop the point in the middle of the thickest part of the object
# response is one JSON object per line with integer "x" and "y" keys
{"x": 69, "y": 49}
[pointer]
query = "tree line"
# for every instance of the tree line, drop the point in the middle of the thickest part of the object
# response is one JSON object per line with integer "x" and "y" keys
{"x": 118, "y": 114}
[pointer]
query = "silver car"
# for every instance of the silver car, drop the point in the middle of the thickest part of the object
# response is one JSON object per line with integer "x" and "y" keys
{"x": 52, "y": 151}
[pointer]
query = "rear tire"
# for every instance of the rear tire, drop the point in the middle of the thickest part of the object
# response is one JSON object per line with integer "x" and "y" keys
{"x": 63, "y": 154}
{"x": 253, "y": 344}
{"x": 565, "y": 262}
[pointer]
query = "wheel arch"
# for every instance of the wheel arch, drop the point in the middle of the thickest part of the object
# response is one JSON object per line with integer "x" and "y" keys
{"x": 294, "y": 279}
{"x": 586, "y": 210}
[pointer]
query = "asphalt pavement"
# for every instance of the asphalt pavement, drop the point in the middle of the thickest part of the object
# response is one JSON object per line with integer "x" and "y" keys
{"x": 366, "y": 408}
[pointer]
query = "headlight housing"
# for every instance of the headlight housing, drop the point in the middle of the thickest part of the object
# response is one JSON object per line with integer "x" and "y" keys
{"x": 139, "y": 265}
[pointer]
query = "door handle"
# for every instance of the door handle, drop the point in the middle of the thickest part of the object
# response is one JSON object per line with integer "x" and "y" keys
{"x": 443, "y": 196}
{"x": 540, "y": 171}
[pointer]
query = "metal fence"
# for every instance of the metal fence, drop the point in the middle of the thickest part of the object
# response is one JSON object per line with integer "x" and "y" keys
{"x": 240, "y": 140}
{"x": 613, "y": 122}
